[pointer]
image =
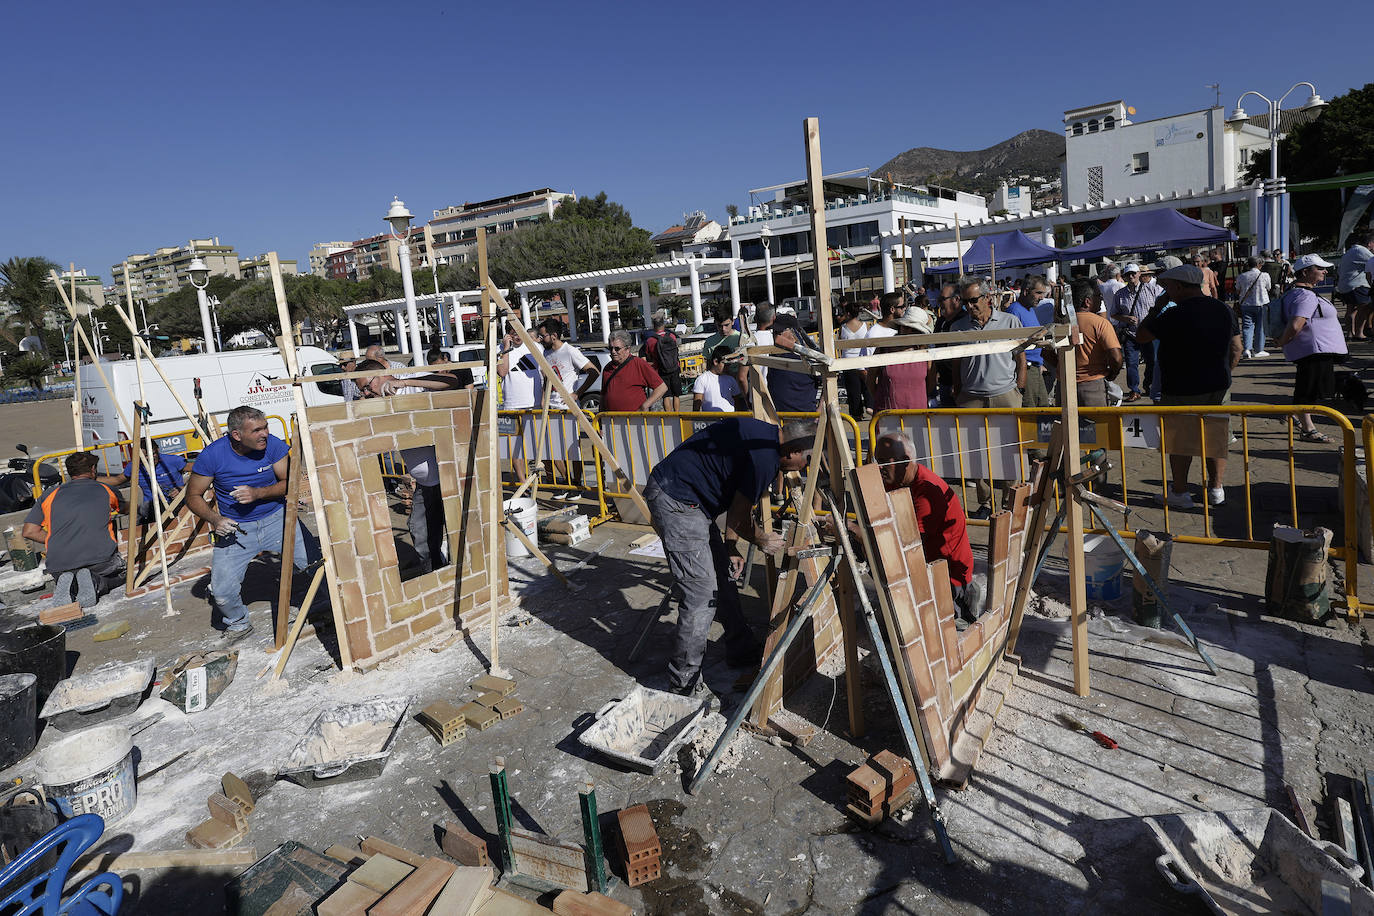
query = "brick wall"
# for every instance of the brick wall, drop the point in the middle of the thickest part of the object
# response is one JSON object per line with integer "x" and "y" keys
{"x": 384, "y": 616}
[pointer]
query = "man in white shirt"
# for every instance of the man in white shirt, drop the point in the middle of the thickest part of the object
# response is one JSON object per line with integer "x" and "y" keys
{"x": 1353, "y": 285}
{"x": 566, "y": 361}
{"x": 1108, "y": 283}
{"x": 375, "y": 352}
{"x": 520, "y": 377}
{"x": 714, "y": 390}
{"x": 1253, "y": 288}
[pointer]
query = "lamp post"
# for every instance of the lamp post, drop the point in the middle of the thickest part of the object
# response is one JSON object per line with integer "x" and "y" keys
{"x": 1274, "y": 186}
{"x": 766, "y": 236}
{"x": 200, "y": 279}
{"x": 214, "y": 318}
{"x": 399, "y": 218}
{"x": 433, "y": 264}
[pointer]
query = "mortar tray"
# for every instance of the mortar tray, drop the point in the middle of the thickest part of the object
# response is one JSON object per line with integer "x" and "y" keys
{"x": 346, "y": 743}
{"x": 98, "y": 695}
{"x": 645, "y": 729}
{"x": 1253, "y": 861}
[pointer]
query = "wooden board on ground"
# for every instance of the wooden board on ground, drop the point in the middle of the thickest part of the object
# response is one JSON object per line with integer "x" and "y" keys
{"x": 546, "y": 859}
{"x": 504, "y": 903}
{"x": 173, "y": 858}
{"x": 413, "y": 896}
{"x": 465, "y": 891}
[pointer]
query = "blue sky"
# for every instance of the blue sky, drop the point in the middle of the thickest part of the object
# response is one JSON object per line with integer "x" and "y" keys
{"x": 134, "y": 125}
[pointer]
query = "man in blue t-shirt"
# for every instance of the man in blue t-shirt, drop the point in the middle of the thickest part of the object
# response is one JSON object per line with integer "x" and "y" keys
{"x": 724, "y": 468}
{"x": 247, "y": 468}
{"x": 170, "y": 471}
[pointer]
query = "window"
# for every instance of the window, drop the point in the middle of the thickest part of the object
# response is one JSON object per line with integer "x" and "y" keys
{"x": 1092, "y": 126}
{"x": 1077, "y": 128}
{"x": 334, "y": 388}
{"x": 1095, "y": 184}
{"x": 1140, "y": 163}
{"x": 1108, "y": 122}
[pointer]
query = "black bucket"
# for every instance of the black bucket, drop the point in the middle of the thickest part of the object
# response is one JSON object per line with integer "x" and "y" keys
{"x": 18, "y": 717}
{"x": 38, "y": 650}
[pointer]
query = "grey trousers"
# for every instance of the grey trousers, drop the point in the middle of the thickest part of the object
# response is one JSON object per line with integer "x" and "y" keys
{"x": 700, "y": 565}
{"x": 427, "y": 529}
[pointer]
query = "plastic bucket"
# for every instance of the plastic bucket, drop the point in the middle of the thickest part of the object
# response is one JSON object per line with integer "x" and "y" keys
{"x": 525, "y": 513}
{"x": 1102, "y": 564}
{"x": 92, "y": 771}
{"x": 18, "y": 717}
{"x": 39, "y": 650}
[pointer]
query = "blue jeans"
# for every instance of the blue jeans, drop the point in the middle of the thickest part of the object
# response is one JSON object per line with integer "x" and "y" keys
{"x": 1134, "y": 353}
{"x": 700, "y": 565}
{"x": 234, "y": 552}
{"x": 1252, "y": 327}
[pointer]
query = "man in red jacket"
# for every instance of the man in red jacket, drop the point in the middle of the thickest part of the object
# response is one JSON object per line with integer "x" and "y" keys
{"x": 939, "y": 515}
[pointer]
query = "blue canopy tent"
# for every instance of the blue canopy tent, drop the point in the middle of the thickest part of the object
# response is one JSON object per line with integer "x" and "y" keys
{"x": 1148, "y": 230}
{"x": 1012, "y": 249}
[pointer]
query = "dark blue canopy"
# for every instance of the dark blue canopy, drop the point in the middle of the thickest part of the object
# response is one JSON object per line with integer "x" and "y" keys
{"x": 1012, "y": 249}
{"x": 1148, "y": 230}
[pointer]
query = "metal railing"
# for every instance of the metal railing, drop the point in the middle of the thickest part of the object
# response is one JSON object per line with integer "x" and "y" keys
{"x": 1125, "y": 431}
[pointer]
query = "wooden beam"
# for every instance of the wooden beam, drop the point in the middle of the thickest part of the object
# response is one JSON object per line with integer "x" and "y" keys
{"x": 81, "y": 332}
{"x": 299, "y": 623}
{"x": 288, "y": 534}
{"x": 1078, "y": 596}
{"x": 288, "y": 356}
{"x": 135, "y": 492}
{"x": 907, "y": 357}
{"x": 493, "y": 481}
{"x": 373, "y": 373}
{"x": 944, "y": 337}
{"x": 583, "y": 423}
{"x": 1035, "y": 532}
{"x": 174, "y": 858}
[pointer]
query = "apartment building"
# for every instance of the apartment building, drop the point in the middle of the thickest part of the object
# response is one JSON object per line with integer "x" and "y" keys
{"x": 256, "y": 268}
{"x": 157, "y": 275}
{"x": 455, "y": 228}
{"x": 319, "y": 256}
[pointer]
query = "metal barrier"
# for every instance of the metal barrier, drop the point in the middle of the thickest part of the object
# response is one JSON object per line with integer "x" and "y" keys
{"x": 1136, "y": 432}
{"x": 123, "y": 451}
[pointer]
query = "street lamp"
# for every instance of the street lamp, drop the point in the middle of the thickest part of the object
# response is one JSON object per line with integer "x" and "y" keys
{"x": 200, "y": 279}
{"x": 1274, "y": 187}
{"x": 766, "y": 236}
{"x": 399, "y": 218}
{"x": 214, "y": 316}
{"x": 433, "y": 264}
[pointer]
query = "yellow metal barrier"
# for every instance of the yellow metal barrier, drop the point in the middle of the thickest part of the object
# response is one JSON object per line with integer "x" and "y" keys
{"x": 565, "y": 474}
{"x": 1120, "y": 430}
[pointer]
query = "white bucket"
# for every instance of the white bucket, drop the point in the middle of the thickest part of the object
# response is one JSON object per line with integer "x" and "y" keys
{"x": 91, "y": 772}
{"x": 1102, "y": 565}
{"x": 525, "y": 513}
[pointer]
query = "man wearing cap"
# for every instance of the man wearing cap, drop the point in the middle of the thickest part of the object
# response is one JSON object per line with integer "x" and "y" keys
{"x": 1199, "y": 347}
{"x": 990, "y": 380}
{"x": 1312, "y": 339}
{"x": 724, "y": 469}
{"x": 1133, "y": 302}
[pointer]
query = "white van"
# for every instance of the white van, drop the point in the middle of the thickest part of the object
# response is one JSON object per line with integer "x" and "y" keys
{"x": 227, "y": 380}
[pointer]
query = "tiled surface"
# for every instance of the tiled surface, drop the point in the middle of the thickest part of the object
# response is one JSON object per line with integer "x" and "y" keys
{"x": 383, "y": 616}
{"x": 941, "y": 669}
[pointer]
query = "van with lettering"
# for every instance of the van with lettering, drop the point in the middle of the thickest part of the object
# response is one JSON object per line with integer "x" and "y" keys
{"x": 227, "y": 380}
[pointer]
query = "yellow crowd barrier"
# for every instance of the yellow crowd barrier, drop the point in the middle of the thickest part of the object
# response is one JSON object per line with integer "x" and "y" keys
{"x": 1140, "y": 440}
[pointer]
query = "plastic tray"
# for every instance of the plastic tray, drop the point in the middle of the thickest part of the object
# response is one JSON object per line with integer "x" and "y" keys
{"x": 645, "y": 729}
{"x": 358, "y": 763}
{"x": 98, "y": 695}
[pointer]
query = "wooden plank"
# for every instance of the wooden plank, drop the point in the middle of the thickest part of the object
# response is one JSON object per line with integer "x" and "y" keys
{"x": 945, "y": 337}
{"x": 374, "y": 846}
{"x": 1078, "y": 595}
{"x": 299, "y": 623}
{"x": 311, "y": 468}
{"x": 464, "y": 892}
{"x": 1041, "y": 500}
{"x": 494, "y": 557}
{"x": 135, "y": 495}
{"x": 380, "y": 873}
{"x": 413, "y": 896}
{"x": 348, "y": 900}
{"x": 288, "y": 538}
{"x": 907, "y": 357}
{"x": 504, "y": 903}
{"x": 543, "y": 857}
{"x": 174, "y": 858}
{"x": 571, "y": 903}
{"x": 842, "y": 462}
{"x": 1345, "y": 827}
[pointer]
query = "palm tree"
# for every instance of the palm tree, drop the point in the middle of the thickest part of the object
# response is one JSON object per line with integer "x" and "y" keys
{"x": 27, "y": 285}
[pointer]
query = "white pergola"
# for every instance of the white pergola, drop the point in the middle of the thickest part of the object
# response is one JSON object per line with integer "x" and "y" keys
{"x": 694, "y": 268}
{"x": 447, "y": 305}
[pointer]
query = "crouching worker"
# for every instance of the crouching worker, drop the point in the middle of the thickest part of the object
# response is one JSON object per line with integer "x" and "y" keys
{"x": 72, "y": 522}
{"x": 939, "y": 516}
{"x": 725, "y": 468}
{"x": 247, "y": 467}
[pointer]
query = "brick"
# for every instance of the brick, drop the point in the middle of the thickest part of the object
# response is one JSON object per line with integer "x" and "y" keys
{"x": 637, "y": 835}
{"x": 64, "y": 613}
{"x": 228, "y": 811}
{"x": 508, "y": 708}
{"x": 918, "y": 665}
{"x": 390, "y": 638}
{"x": 970, "y": 641}
{"x": 426, "y": 622}
{"x": 380, "y": 872}
{"x": 904, "y": 514}
{"x": 489, "y": 699}
{"x": 889, "y": 552}
{"x": 903, "y": 615}
{"x": 328, "y": 413}
{"x": 865, "y": 783}
{"x": 359, "y": 639}
{"x": 373, "y": 846}
{"x": 943, "y": 702}
{"x": 873, "y": 494}
{"x": 331, "y": 490}
{"x": 393, "y": 423}
{"x": 237, "y": 789}
{"x": 937, "y": 737}
{"x": 213, "y": 834}
{"x": 463, "y": 846}
{"x": 371, "y": 407}
{"x": 896, "y": 771}
{"x": 410, "y": 438}
{"x": 444, "y": 720}
{"x": 642, "y": 872}
{"x": 930, "y": 630}
{"x": 336, "y": 520}
{"x": 941, "y": 591}
{"x": 960, "y": 684}
{"x": 479, "y": 716}
{"x": 346, "y": 462}
{"x": 413, "y": 896}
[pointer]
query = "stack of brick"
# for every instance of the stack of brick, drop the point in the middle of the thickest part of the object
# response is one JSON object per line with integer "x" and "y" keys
{"x": 879, "y": 787}
{"x": 643, "y": 851}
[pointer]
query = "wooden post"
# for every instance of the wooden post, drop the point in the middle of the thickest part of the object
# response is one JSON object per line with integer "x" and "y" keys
{"x": 811, "y": 132}
{"x": 135, "y": 494}
{"x": 76, "y": 371}
{"x": 493, "y": 483}
{"x": 299, "y": 624}
{"x": 71, "y": 310}
{"x": 288, "y": 535}
{"x": 308, "y": 453}
{"x": 1078, "y": 596}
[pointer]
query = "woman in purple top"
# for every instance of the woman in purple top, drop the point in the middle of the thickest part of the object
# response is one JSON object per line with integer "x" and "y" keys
{"x": 1313, "y": 340}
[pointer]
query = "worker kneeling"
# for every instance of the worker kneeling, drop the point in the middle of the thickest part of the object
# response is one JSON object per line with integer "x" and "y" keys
{"x": 939, "y": 516}
{"x": 72, "y": 522}
{"x": 725, "y": 468}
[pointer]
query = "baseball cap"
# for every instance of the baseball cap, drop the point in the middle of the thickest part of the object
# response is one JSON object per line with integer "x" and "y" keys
{"x": 1189, "y": 274}
{"x": 1168, "y": 262}
{"x": 1131, "y": 269}
{"x": 1309, "y": 260}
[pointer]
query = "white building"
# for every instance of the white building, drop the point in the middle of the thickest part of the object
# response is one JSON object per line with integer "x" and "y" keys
{"x": 455, "y": 228}
{"x": 864, "y": 219}
{"x": 1013, "y": 200}
{"x": 1110, "y": 157}
{"x": 319, "y": 256}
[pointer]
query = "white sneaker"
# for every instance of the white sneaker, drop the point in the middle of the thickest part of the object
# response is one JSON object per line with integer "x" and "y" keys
{"x": 1261, "y": 354}
{"x": 1245, "y": 355}
{"x": 1176, "y": 501}
{"x": 1216, "y": 496}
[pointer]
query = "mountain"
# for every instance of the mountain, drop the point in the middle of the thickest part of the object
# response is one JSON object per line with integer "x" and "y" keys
{"x": 1033, "y": 152}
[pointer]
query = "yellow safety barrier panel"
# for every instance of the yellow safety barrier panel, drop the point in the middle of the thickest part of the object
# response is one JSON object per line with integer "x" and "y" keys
{"x": 997, "y": 443}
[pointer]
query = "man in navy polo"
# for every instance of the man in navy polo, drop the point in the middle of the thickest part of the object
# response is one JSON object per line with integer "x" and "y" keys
{"x": 247, "y": 468}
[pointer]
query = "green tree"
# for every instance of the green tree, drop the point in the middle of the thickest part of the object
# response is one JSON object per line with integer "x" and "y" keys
{"x": 26, "y": 284}
{"x": 593, "y": 210}
{"x": 559, "y": 247}
{"x": 178, "y": 315}
{"x": 251, "y": 307}
{"x": 29, "y": 369}
{"x": 1338, "y": 142}
{"x": 114, "y": 330}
